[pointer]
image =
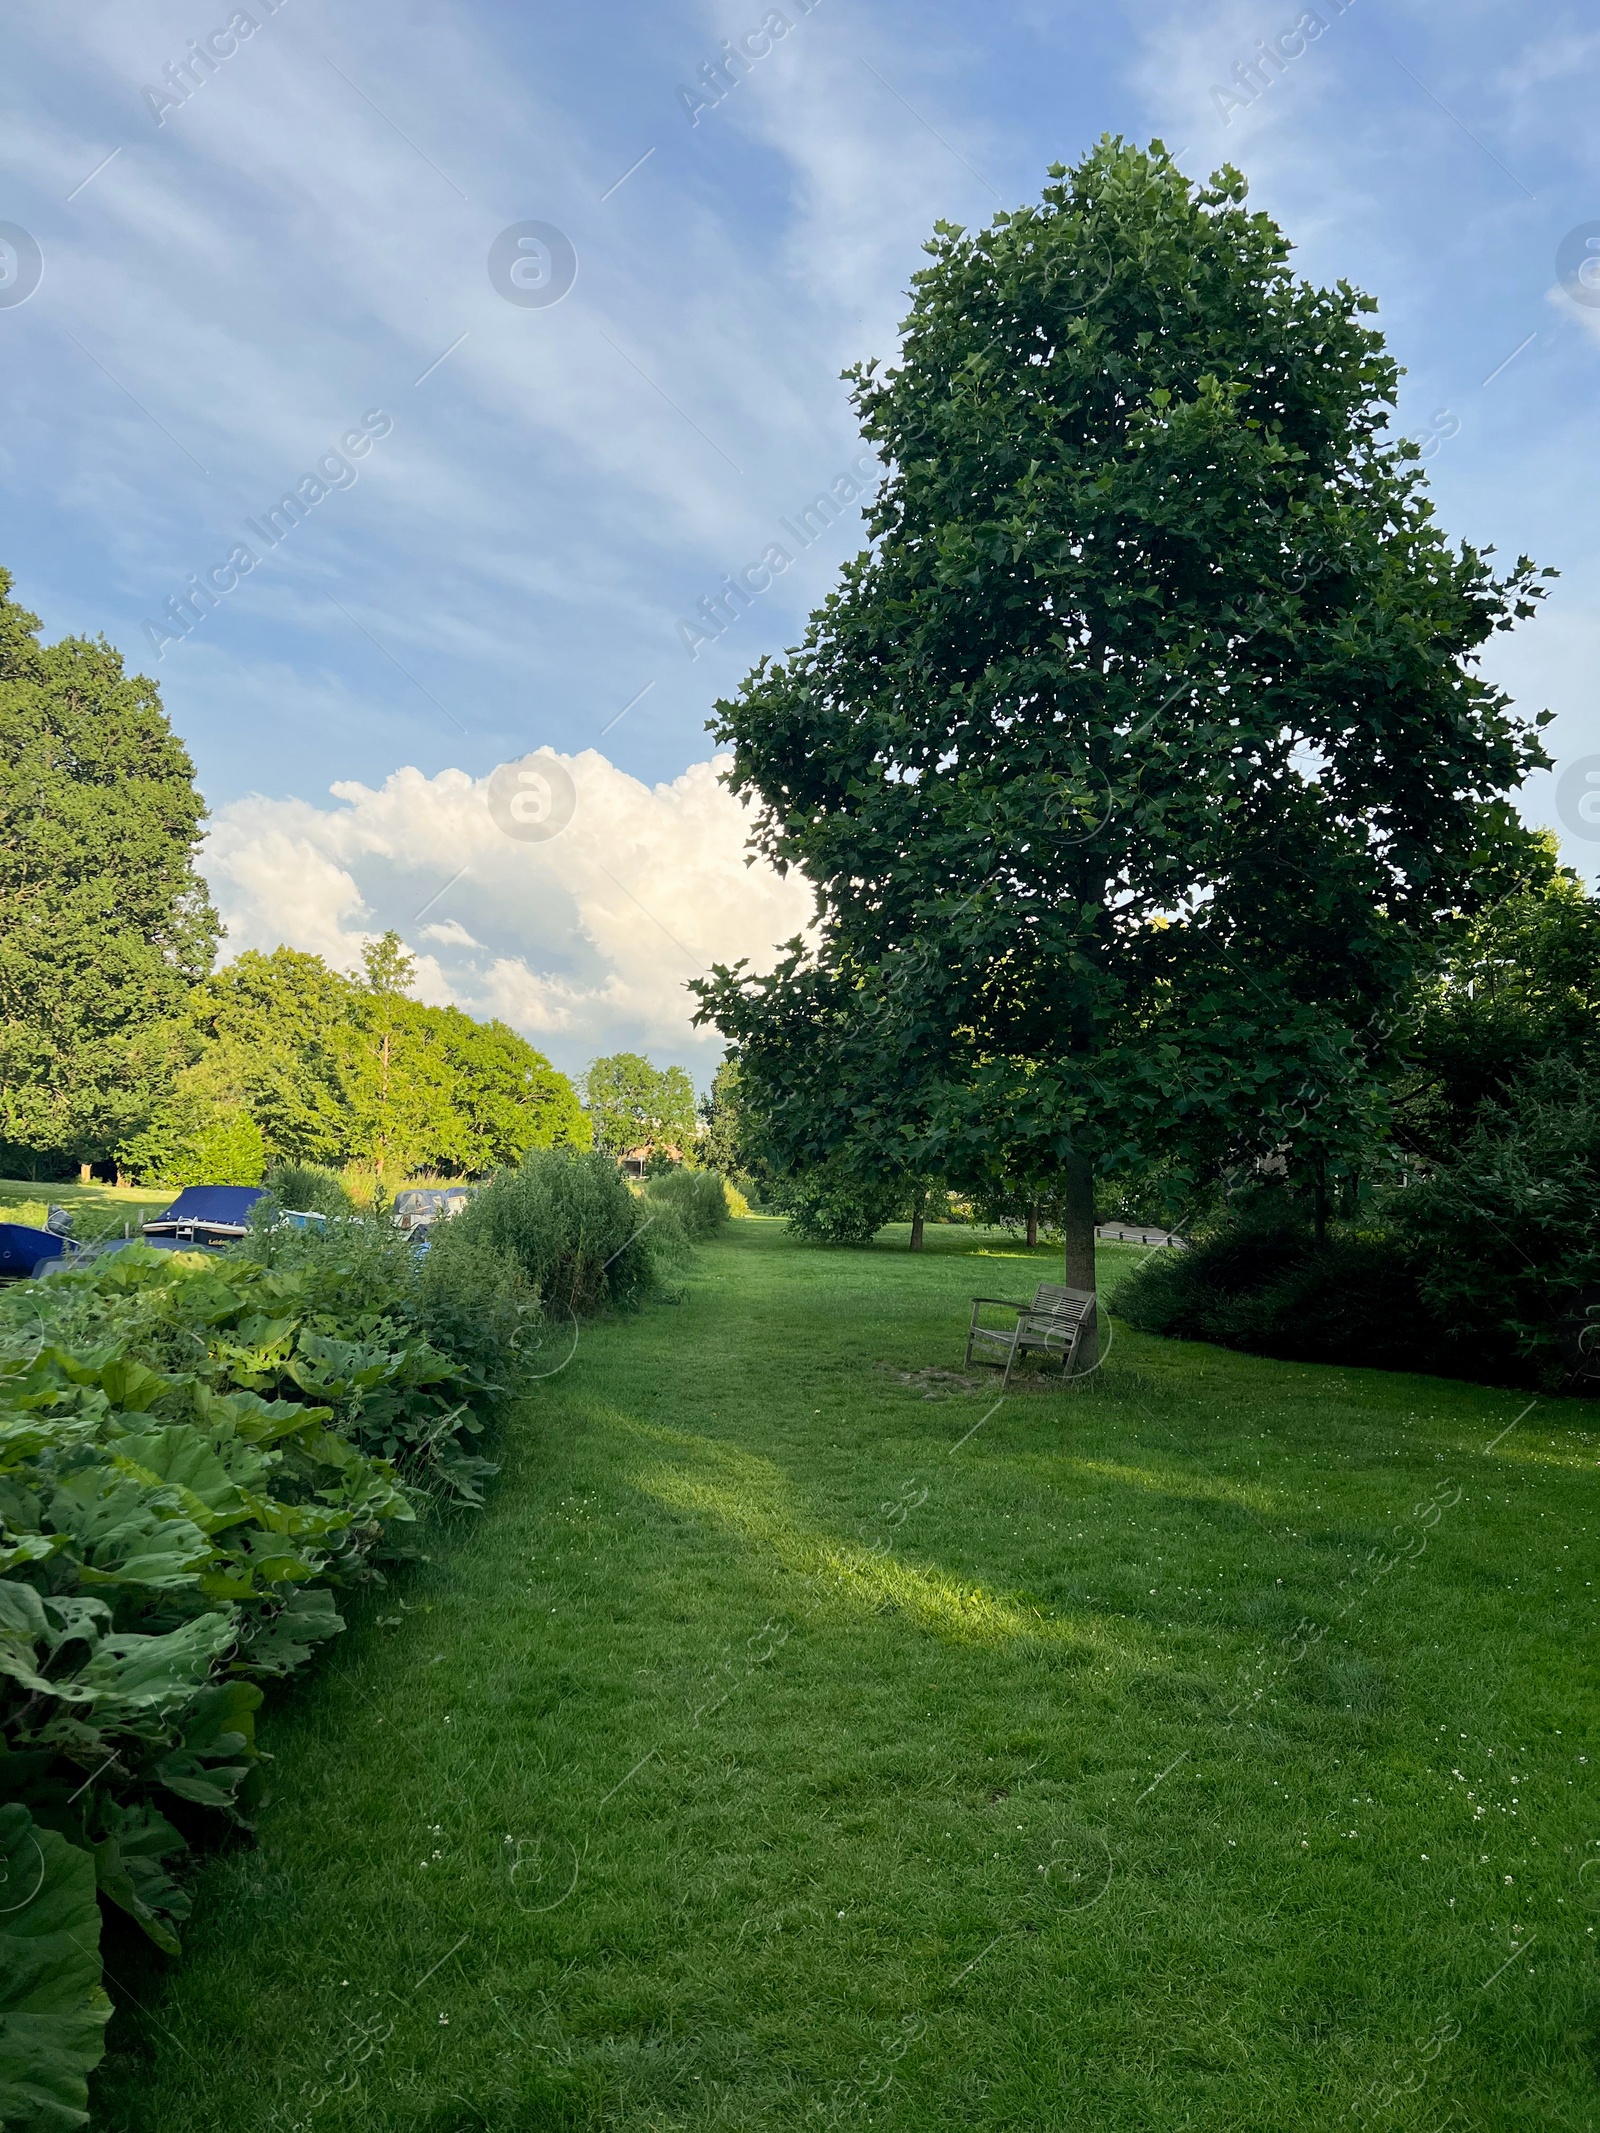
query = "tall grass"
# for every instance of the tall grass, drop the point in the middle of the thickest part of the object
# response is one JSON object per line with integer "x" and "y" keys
{"x": 569, "y": 1224}
{"x": 697, "y": 1197}
{"x": 310, "y": 1188}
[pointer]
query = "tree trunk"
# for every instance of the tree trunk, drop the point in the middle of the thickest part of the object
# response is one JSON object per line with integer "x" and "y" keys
{"x": 1077, "y": 1228}
{"x": 1321, "y": 1213}
{"x": 916, "y": 1222}
{"x": 84, "y": 1174}
{"x": 1033, "y": 1224}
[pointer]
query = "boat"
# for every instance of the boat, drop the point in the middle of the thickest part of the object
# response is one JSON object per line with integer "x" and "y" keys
{"x": 203, "y": 1218}
{"x": 419, "y": 1207}
{"x": 23, "y": 1250}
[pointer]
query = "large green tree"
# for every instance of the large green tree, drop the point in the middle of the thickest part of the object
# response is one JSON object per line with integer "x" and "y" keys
{"x": 104, "y": 924}
{"x": 1141, "y": 746}
{"x": 280, "y": 1021}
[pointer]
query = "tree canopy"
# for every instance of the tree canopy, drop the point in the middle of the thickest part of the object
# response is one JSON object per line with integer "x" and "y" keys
{"x": 326, "y": 1068}
{"x": 116, "y": 1041}
{"x": 104, "y": 923}
{"x": 1142, "y": 746}
{"x": 633, "y": 1104}
{"x": 1516, "y": 986}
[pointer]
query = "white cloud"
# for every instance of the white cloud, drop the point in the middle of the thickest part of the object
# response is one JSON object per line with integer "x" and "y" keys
{"x": 583, "y": 942}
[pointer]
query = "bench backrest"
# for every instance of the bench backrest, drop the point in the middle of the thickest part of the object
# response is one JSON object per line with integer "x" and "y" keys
{"x": 1051, "y": 1296}
{"x": 1057, "y": 1313}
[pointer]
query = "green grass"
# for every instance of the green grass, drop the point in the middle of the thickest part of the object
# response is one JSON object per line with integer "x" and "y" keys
{"x": 764, "y": 1758}
{"x": 97, "y": 1210}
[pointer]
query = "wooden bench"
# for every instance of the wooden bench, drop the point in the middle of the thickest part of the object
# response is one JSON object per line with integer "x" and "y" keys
{"x": 1053, "y": 1324}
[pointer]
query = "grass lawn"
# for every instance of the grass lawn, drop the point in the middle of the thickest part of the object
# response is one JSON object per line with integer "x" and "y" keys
{"x": 793, "y": 1745}
{"x": 98, "y": 1210}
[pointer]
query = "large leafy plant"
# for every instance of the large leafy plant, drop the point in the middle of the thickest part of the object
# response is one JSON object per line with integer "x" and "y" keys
{"x": 197, "y": 1457}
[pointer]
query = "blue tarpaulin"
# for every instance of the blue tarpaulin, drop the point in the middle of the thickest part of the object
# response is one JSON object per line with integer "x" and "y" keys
{"x": 211, "y": 1213}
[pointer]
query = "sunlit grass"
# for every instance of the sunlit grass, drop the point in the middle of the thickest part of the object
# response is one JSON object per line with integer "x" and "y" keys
{"x": 97, "y": 1210}
{"x": 774, "y": 1753}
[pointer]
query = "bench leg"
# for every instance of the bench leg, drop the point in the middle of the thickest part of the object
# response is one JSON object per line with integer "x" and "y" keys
{"x": 1071, "y": 1355}
{"x": 1010, "y": 1359}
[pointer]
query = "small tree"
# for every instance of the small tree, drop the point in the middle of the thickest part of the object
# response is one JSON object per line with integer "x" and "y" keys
{"x": 1140, "y": 749}
{"x": 725, "y": 1143}
{"x": 398, "y": 1092}
{"x": 834, "y": 1202}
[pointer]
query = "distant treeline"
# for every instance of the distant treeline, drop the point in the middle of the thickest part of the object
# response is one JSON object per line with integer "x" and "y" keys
{"x": 119, "y": 1042}
{"x": 277, "y": 1058}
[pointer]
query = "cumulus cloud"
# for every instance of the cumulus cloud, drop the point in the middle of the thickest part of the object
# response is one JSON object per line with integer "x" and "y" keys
{"x": 583, "y": 942}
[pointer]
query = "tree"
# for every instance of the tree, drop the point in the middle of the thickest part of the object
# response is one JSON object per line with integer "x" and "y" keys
{"x": 633, "y": 1104}
{"x": 1518, "y": 985}
{"x": 1502, "y": 1233}
{"x": 327, "y": 1068}
{"x": 501, "y": 1097}
{"x": 724, "y": 1130}
{"x": 1142, "y": 746}
{"x": 397, "y": 1071}
{"x": 202, "y": 1129}
{"x": 730, "y": 1135}
{"x": 281, "y": 1020}
{"x": 1021, "y": 1203}
{"x": 838, "y": 1202}
{"x": 104, "y": 924}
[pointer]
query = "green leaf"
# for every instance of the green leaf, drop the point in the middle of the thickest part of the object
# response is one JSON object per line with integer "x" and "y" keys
{"x": 133, "y": 1386}
{"x": 130, "y": 1675}
{"x": 22, "y": 1627}
{"x": 53, "y": 2010}
{"x": 129, "y": 1871}
{"x": 118, "y": 1522}
{"x": 181, "y": 1456}
{"x": 248, "y": 1416}
{"x": 219, "y": 1747}
{"x": 278, "y": 1642}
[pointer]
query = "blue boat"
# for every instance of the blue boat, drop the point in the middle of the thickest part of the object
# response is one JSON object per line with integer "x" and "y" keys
{"x": 22, "y": 1249}
{"x": 204, "y": 1218}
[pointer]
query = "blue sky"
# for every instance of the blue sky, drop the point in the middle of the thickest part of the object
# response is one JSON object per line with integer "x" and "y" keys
{"x": 282, "y": 260}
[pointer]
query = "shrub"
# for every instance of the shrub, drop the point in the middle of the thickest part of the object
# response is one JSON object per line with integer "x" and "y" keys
{"x": 833, "y": 1204}
{"x": 1482, "y": 1269}
{"x": 1257, "y": 1280}
{"x": 1504, "y": 1238}
{"x": 309, "y": 1188}
{"x": 476, "y": 1302}
{"x": 569, "y": 1223}
{"x": 698, "y": 1198}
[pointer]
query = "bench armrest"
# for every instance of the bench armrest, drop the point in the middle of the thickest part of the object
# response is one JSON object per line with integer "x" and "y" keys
{"x": 1006, "y": 1301}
